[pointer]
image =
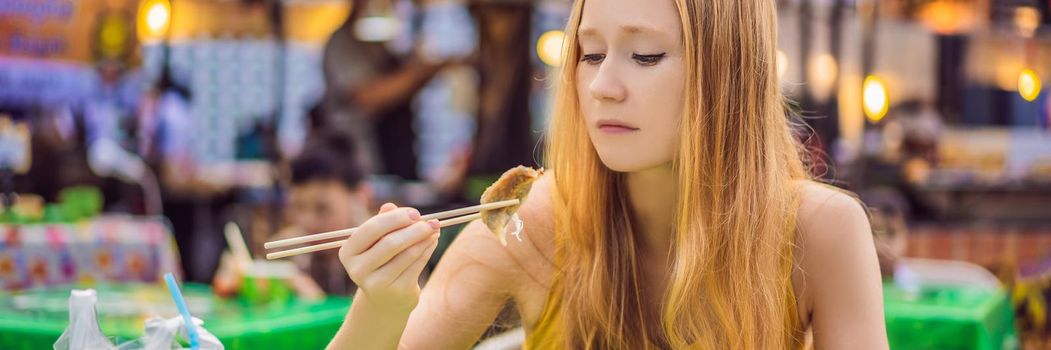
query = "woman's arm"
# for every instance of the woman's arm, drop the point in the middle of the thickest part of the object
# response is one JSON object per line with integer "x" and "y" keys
{"x": 478, "y": 275}
{"x": 384, "y": 258}
{"x": 841, "y": 272}
{"x": 470, "y": 286}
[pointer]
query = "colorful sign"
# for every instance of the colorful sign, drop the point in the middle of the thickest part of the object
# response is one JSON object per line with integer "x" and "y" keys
{"x": 48, "y": 47}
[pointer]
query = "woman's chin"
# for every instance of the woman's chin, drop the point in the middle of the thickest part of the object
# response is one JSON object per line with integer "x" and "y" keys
{"x": 621, "y": 164}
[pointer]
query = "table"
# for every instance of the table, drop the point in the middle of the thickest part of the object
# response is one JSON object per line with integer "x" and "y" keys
{"x": 34, "y": 319}
{"x": 106, "y": 249}
{"x": 949, "y": 317}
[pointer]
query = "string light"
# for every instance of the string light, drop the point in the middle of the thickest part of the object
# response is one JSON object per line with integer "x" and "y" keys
{"x": 154, "y": 19}
{"x": 875, "y": 99}
{"x": 1028, "y": 85}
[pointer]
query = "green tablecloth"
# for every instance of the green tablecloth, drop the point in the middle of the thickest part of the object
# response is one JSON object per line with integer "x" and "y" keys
{"x": 934, "y": 318}
{"x": 947, "y": 318}
{"x": 35, "y": 319}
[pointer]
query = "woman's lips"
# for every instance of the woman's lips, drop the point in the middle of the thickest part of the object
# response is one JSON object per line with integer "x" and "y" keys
{"x": 615, "y": 127}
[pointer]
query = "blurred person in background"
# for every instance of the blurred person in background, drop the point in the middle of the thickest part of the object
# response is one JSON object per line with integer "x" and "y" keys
{"x": 368, "y": 90}
{"x": 327, "y": 193}
{"x": 164, "y": 138}
{"x": 504, "y": 136}
{"x": 116, "y": 87}
{"x": 57, "y": 143}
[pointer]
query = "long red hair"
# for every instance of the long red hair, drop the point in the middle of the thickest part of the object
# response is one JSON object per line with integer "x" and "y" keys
{"x": 737, "y": 167}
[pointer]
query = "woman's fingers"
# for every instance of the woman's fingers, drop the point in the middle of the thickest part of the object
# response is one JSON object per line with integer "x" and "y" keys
{"x": 393, "y": 244}
{"x": 376, "y": 228}
{"x": 411, "y": 276}
{"x": 389, "y": 251}
{"x": 396, "y": 266}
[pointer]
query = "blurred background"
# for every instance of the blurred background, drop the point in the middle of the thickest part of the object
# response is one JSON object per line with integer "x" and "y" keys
{"x": 139, "y": 137}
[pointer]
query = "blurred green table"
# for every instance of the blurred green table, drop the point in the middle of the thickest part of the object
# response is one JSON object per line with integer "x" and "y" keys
{"x": 949, "y": 317}
{"x": 35, "y": 319}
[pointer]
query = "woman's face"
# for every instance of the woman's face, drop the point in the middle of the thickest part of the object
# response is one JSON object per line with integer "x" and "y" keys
{"x": 630, "y": 81}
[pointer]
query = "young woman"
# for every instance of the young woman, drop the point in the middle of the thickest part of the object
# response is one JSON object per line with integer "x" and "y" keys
{"x": 676, "y": 212}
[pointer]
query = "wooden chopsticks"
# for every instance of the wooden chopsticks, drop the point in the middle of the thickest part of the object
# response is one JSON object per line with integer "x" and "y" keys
{"x": 448, "y": 218}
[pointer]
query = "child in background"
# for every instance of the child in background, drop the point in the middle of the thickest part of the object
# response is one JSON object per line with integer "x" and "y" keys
{"x": 327, "y": 194}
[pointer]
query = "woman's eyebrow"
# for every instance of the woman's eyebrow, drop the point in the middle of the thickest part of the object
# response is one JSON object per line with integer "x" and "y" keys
{"x": 629, "y": 29}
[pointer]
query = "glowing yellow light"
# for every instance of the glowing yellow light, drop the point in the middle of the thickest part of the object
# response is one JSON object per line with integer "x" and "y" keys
{"x": 157, "y": 17}
{"x": 549, "y": 48}
{"x": 1028, "y": 85}
{"x": 154, "y": 18}
{"x": 782, "y": 64}
{"x": 875, "y": 100}
{"x": 948, "y": 16}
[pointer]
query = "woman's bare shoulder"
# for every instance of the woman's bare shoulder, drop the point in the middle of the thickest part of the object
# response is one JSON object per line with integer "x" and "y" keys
{"x": 478, "y": 274}
{"x": 829, "y": 219}
{"x": 837, "y": 257}
{"x": 817, "y": 200}
{"x": 535, "y": 249}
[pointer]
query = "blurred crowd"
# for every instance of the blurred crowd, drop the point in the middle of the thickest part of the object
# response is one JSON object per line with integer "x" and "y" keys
{"x": 371, "y": 131}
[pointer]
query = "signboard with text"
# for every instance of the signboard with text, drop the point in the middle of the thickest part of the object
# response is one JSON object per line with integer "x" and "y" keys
{"x": 48, "y": 48}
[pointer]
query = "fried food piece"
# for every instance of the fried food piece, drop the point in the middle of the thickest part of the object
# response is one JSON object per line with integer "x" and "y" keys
{"x": 513, "y": 184}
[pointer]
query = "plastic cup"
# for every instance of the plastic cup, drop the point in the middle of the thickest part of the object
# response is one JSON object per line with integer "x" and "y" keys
{"x": 266, "y": 282}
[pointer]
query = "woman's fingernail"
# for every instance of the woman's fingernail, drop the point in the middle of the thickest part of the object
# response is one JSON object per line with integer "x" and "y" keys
{"x": 435, "y": 224}
{"x": 414, "y": 214}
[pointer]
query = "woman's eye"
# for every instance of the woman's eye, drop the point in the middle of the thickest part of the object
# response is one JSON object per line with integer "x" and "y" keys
{"x": 593, "y": 59}
{"x": 647, "y": 60}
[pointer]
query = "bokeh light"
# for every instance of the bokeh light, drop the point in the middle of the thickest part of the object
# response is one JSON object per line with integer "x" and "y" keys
{"x": 876, "y": 101}
{"x": 549, "y": 47}
{"x": 1029, "y": 85}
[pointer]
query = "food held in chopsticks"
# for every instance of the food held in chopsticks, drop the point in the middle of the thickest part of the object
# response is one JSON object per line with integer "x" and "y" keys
{"x": 500, "y": 202}
{"x": 513, "y": 184}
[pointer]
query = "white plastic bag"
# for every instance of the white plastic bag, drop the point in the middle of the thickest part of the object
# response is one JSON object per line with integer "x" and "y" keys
{"x": 83, "y": 332}
{"x": 160, "y": 334}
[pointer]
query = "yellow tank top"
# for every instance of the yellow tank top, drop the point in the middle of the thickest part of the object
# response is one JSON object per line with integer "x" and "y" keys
{"x": 547, "y": 333}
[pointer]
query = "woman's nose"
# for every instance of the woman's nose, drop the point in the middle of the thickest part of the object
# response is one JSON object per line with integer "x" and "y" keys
{"x": 606, "y": 86}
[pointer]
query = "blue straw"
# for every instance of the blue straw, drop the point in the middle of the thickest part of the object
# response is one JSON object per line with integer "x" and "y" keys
{"x": 180, "y": 303}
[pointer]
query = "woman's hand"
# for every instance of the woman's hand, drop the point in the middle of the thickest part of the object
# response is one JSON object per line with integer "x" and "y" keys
{"x": 386, "y": 255}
